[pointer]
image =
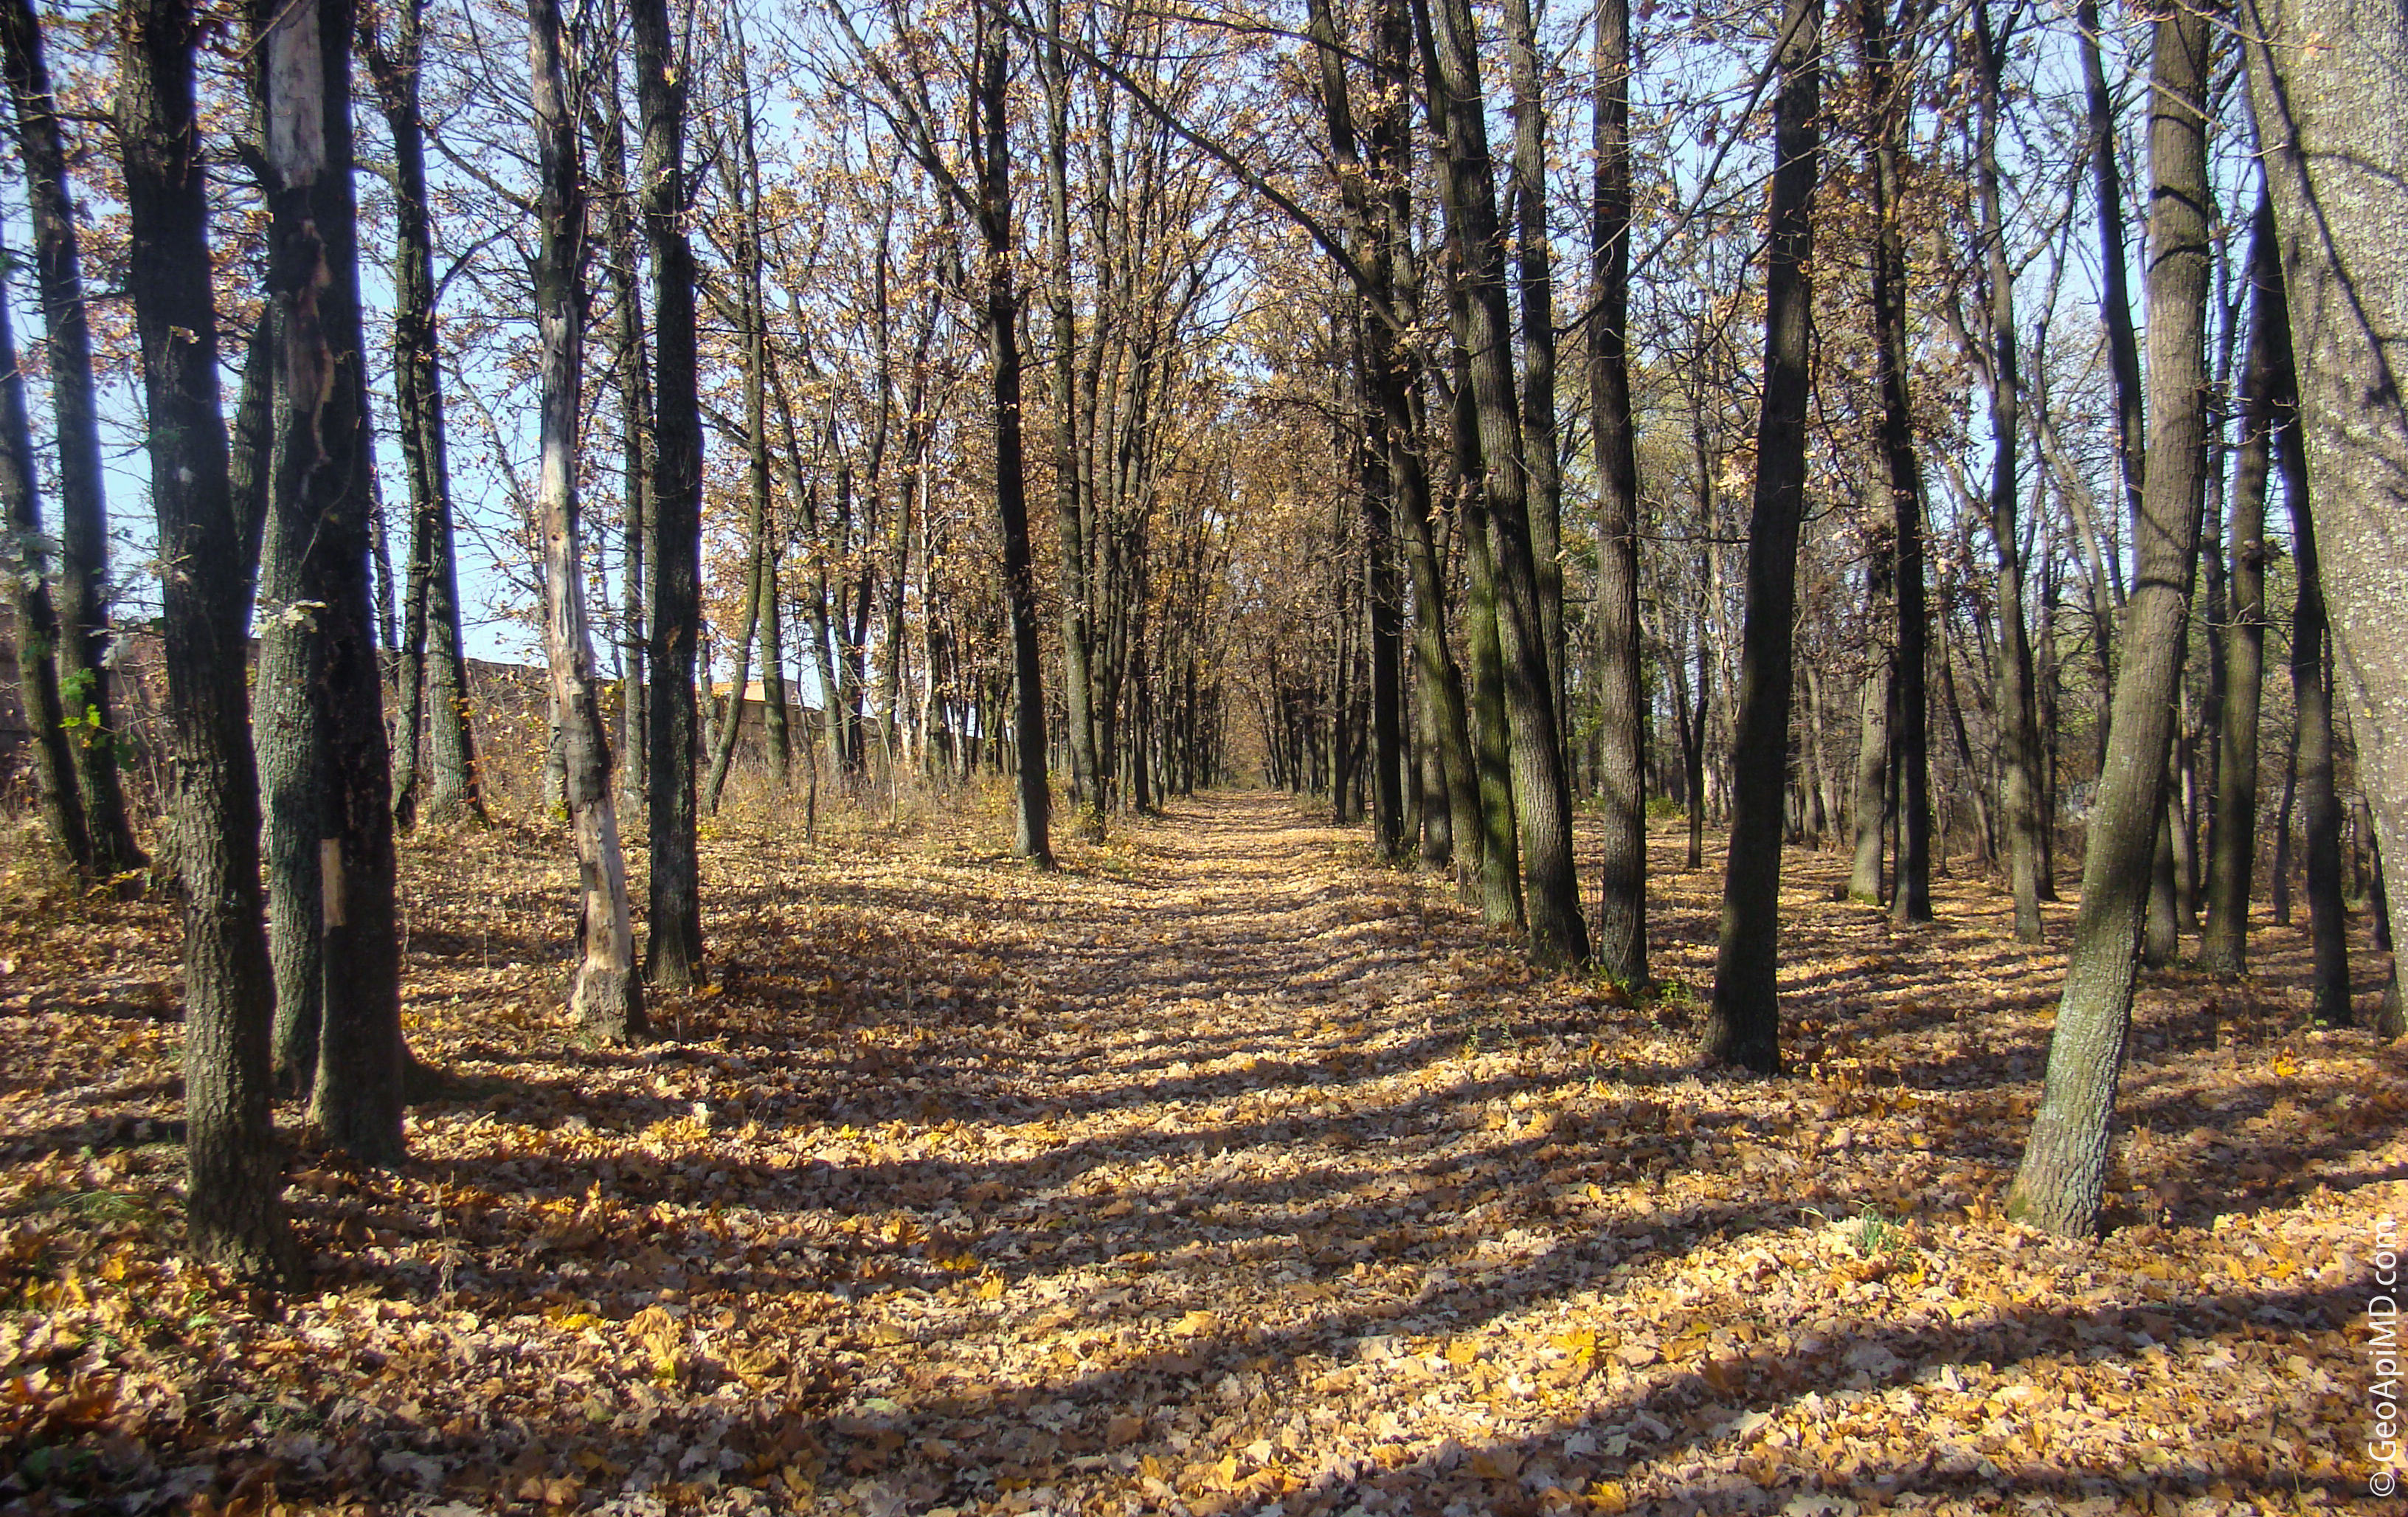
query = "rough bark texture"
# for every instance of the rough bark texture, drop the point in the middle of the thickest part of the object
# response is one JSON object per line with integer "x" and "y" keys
{"x": 2065, "y": 1161}
{"x": 37, "y": 620}
{"x": 1534, "y": 281}
{"x": 1449, "y": 832}
{"x": 2115, "y": 283}
{"x": 1745, "y": 1025}
{"x": 2233, "y": 843}
{"x": 603, "y": 995}
{"x": 323, "y": 506}
{"x": 1001, "y": 317}
{"x": 673, "y": 952}
{"x": 2018, "y": 756}
{"x": 235, "y": 1167}
{"x": 2332, "y": 123}
{"x": 430, "y": 670}
{"x": 1558, "y": 930}
{"x": 1078, "y": 677}
{"x": 1621, "y": 749}
{"x": 82, "y": 602}
{"x": 2311, "y": 697}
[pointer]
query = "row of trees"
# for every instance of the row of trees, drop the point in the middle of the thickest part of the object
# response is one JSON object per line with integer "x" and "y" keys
{"x": 1278, "y": 325}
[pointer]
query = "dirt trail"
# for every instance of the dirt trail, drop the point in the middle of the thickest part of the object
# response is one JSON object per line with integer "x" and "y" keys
{"x": 1222, "y": 1170}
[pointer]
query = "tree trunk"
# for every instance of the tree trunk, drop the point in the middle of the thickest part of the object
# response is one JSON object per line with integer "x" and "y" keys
{"x": 1000, "y": 315}
{"x": 1078, "y": 678}
{"x": 431, "y": 673}
{"x": 1558, "y": 930}
{"x": 629, "y": 354}
{"x": 774, "y": 740}
{"x": 1456, "y": 839}
{"x": 2065, "y": 1161}
{"x": 2115, "y": 283}
{"x": 234, "y": 1164}
{"x": 1534, "y": 280}
{"x": 605, "y": 995}
{"x": 1744, "y": 1028}
{"x": 2018, "y": 728}
{"x": 1500, "y": 881}
{"x": 1869, "y": 816}
{"x": 731, "y": 714}
{"x": 1622, "y": 699}
{"x": 2312, "y": 690}
{"x": 2232, "y": 840}
{"x": 2160, "y": 927}
{"x": 336, "y": 793}
{"x": 82, "y": 598}
{"x": 37, "y": 620}
{"x": 2331, "y": 106}
{"x": 673, "y": 951}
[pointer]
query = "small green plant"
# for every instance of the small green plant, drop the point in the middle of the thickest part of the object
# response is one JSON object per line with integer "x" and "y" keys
{"x": 1664, "y": 807}
{"x": 1870, "y": 1233}
{"x": 1670, "y": 992}
{"x": 106, "y": 1208}
{"x": 1876, "y": 1234}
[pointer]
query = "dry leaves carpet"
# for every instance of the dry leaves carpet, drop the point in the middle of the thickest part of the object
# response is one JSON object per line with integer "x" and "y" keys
{"x": 1220, "y": 1171}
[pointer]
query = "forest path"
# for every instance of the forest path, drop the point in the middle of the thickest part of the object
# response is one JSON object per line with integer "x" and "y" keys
{"x": 1223, "y": 1168}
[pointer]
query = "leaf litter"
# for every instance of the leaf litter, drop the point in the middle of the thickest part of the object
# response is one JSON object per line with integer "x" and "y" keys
{"x": 1220, "y": 1171}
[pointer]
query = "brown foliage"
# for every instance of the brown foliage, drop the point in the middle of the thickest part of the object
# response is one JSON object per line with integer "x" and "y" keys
{"x": 1219, "y": 1168}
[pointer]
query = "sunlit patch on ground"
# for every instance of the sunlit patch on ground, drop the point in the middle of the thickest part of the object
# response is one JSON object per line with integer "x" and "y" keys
{"x": 1218, "y": 1171}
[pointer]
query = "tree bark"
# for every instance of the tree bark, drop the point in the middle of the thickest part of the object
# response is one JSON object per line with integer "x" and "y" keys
{"x": 2115, "y": 283}
{"x": 2232, "y": 842}
{"x": 1744, "y": 1028}
{"x": 1000, "y": 315}
{"x": 673, "y": 951}
{"x": 1534, "y": 281}
{"x": 2019, "y": 788}
{"x": 38, "y": 622}
{"x": 1622, "y": 699}
{"x": 337, "y": 795}
{"x": 2312, "y": 692}
{"x": 1558, "y": 929}
{"x": 82, "y": 599}
{"x": 1078, "y": 677}
{"x": 604, "y": 995}
{"x": 2331, "y": 106}
{"x": 234, "y": 1210}
{"x": 432, "y": 673}
{"x": 630, "y": 355}
{"x": 2065, "y": 1161}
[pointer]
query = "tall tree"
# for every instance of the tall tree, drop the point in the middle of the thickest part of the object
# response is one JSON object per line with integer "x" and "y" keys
{"x": 2312, "y": 699}
{"x": 37, "y": 620}
{"x": 1744, "y": 1028}
{"x": 1558, "y": 929}
{"x": 321, "y": 509}
{"x": 2065, "y": 1161}
{"x": 82, "y": 599}
{"x": 604, "y": 995}
{"x": 999, "y": 317}
{"x": 1621, "y": 767}
{"x": 431, "y": 669}
{"x": 2018, "y": 756}
{"x": 673, "y": 953}
{"x": 2233, "y": 847}
{"x": 2331, "y": 106}
{"x": 1070, "y": 509}
{"x": 236, "y": 1169}
{"x": 1535, "y": 285}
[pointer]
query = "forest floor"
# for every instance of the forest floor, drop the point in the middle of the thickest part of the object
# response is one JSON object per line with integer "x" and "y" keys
{"x": 1220, "y": 1170}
